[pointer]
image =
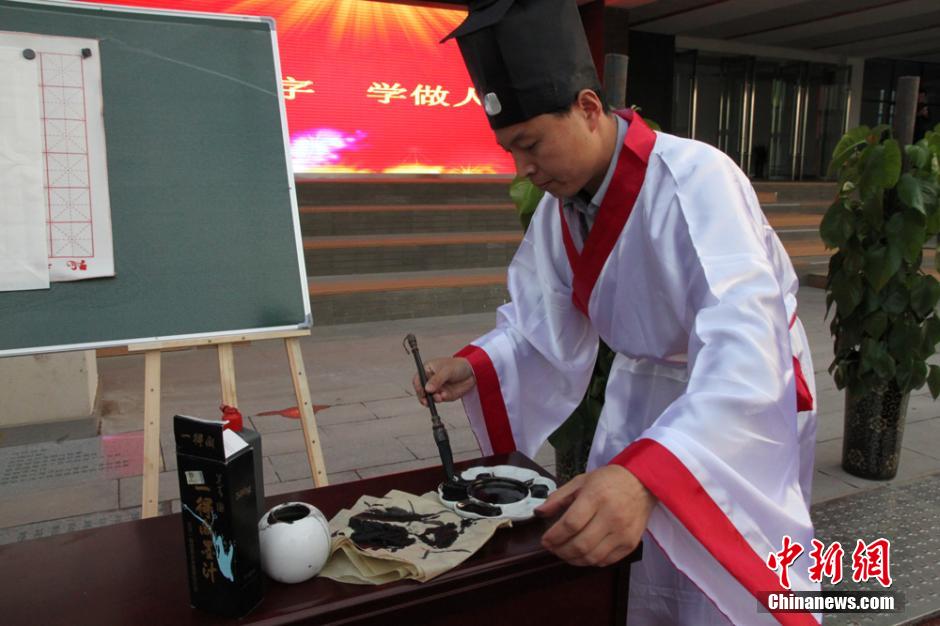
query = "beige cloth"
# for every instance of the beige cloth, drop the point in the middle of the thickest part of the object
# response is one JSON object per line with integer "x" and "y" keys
{"x": 401, "y": 536}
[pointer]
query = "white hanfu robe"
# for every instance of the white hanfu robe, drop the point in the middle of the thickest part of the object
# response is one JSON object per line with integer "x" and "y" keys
{"x": 685, "y": 280}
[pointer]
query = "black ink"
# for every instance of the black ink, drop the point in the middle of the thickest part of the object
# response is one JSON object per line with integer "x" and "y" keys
{"x": 480, "y": 508}
{"x": 442, "y": 536}
{"x": 539, "y": 491}
{"x": 454, "y": 490}
{"x": 498, "y": 490}
{"x": 371, "y": 535}
{"x": 288, "y": 514}
{"x": 397, "y": 514}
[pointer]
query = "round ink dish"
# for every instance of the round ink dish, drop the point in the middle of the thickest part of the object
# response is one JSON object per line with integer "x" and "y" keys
{"x": 500, "y": 492}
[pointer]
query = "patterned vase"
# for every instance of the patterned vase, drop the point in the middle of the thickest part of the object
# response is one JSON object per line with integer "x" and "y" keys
{"x": 874, "y": 426}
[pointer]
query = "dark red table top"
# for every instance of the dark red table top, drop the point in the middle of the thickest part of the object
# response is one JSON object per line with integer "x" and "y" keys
{"x": 135, "y": 573}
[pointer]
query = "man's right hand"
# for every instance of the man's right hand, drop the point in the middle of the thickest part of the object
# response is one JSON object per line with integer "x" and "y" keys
{"x": 448, "y": 380}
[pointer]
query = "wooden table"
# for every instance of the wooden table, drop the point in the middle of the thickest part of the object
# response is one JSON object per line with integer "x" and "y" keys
{"x": 134, "y": 573}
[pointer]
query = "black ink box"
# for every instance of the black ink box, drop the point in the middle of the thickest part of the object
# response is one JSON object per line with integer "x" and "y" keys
{"x": 219, "y": 512}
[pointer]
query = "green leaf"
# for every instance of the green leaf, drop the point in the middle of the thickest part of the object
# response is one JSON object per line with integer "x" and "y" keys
{"x": 924, "y": 295}
{"x": 881, "y": 263}
{"x": 918, "y": 155}
{"x": 910, "y": 193}
{"x": 904, "y": 373}
{"x": 849, "y": 335}
{"x": 931, "y": 334}
{"x": 853, "y": 261}
{"x": 875, "y": 324}
{"x": 871, "y": 301}
{"x": 873, "y": 210}
{"x": 891, "y": 163}
{"x": 848, "y": 293}
{"x": 933, "y": 380}
{"x": 526, "y": 197}
{"x": 918, "y": 376}
{"x": 871, "y": 168}
{"x": 837, "y": 225}
{"x": 875, "y": 135}
{"x": 905, "y": 339}
{"x": 906, "y": 232}
{"x": 847, "y": 146}
{"x": 895, "y": 299}
{"x": 876, "y": 359}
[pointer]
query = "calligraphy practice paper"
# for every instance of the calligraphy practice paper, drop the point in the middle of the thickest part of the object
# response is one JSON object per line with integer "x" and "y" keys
{"x": 76, "y": 211}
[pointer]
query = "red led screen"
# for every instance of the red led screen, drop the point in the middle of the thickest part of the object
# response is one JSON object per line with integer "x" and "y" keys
{"x": 369, "y": 90}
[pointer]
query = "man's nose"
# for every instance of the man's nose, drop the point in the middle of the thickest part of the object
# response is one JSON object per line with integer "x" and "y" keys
{"x": 524, "y": 166}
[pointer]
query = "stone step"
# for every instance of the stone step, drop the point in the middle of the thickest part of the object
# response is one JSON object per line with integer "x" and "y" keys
{"x": 816, "y": 270}
{"x": 344, "y": 299}
{"x": 411, "y": 252}
{"x": 325, "y": 221}
{"x": 404, "y": 190}
{"x": 365, "y": 254}
{"x": 795, "y": 226}
{"x": 797, "y": 192}
{"x": 337, "y": 220}
{"x": 817, "y": 207}
{"x": 402, "y": 295}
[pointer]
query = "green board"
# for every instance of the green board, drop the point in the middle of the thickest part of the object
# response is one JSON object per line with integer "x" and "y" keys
{"x": 204, "y": 217}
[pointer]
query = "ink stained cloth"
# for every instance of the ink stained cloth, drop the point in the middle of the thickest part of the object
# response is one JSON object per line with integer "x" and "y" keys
{"x": 401, "y": 536}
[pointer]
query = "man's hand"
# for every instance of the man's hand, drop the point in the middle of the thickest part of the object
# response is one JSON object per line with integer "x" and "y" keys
{"x": 448, "y": 379}
{"x": 607, "y": 512}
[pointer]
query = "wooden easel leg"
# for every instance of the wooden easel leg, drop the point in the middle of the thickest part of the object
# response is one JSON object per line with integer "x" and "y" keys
{"x": 307, "y": 418}
{"x": 151, "y": 484}
{"x": 227, "y": 374}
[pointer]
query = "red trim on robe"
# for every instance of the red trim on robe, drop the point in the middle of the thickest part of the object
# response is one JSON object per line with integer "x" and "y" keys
{"x": 673, "y": 484}
{"x": 573, "y": 259}
{"x": 618, "y": 202}
{"x": 491, "y": 399}
{"x": 804, "y": 398}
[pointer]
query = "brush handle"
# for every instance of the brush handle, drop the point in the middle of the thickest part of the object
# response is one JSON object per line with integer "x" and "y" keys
{"x": 440, "y": 432}
{"x": 443, "y": 448}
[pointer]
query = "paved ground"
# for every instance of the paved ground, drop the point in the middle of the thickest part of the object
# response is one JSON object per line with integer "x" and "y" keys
{"x": 67, "y": 480}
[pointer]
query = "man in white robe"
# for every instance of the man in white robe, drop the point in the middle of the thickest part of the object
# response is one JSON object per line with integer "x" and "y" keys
{"x": 657, "y": 245}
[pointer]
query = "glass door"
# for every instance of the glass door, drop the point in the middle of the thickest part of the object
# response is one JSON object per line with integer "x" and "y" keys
{"x": 733, "y": 113}
{"x": 779, "y": 88}
{"x": 826, "y": 97}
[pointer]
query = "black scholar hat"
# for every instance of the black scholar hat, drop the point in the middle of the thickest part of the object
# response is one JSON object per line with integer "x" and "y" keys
{"x": 525, "y": 57}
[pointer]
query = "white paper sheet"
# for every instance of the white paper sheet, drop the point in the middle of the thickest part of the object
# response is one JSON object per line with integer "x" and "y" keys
{"x": 23, "y": 250}
{"x": 77, "y": 206}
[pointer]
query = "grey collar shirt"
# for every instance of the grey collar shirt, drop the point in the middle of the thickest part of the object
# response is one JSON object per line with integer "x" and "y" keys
{"x": 586, "y": 207}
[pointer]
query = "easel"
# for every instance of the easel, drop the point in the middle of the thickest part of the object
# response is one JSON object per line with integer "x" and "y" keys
{"x": 224, "y": 344}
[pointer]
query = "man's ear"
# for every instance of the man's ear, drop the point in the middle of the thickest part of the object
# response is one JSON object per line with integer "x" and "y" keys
{"x": 589, "y": 104}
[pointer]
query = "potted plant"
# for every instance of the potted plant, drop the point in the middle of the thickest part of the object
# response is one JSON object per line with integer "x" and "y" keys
{"x": 885, "y": 325}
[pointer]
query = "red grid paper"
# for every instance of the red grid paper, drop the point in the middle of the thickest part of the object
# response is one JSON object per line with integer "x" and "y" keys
{"x": 67, "y": 182}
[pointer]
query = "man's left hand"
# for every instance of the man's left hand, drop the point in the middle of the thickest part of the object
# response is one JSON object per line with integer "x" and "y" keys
{"x": 607, "y": 512}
